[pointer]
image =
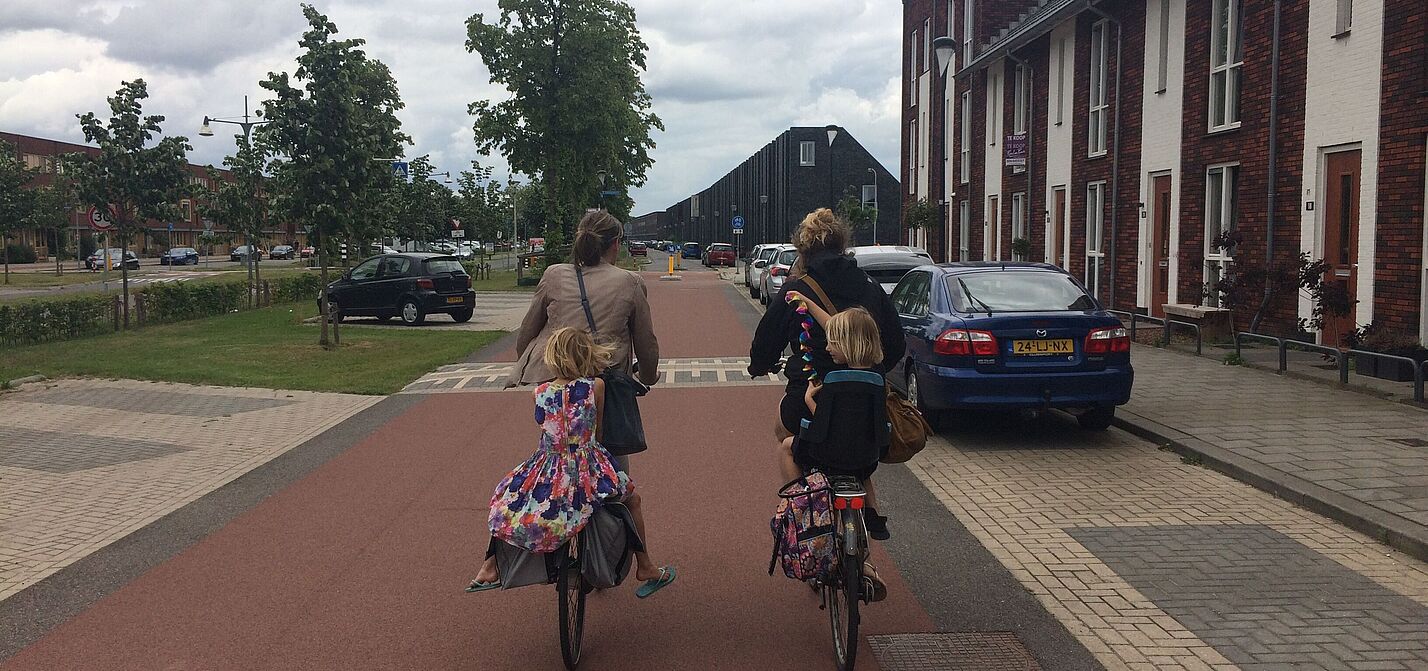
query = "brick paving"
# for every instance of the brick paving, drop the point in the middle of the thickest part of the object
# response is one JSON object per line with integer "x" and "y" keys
{"x": 85, "y": 462}
{"x": 1156, "y": 564}
{"x": 1349, "y": 443}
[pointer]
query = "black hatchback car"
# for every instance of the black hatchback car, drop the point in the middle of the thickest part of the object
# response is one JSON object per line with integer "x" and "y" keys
{"x": 409, "y": 286}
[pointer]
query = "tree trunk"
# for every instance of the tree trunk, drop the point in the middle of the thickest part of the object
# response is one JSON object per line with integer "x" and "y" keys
{"x": 6, "y": 244}
{"x": 322, "y": 295}
{"x": 124, "y": 273}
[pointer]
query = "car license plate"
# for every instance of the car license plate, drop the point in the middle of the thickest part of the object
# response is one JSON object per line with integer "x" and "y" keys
{"x": 1041, "y": 347}
{"x": 462, "y": 299}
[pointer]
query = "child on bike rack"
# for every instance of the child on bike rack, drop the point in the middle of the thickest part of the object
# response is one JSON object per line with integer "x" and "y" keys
{"x": 546, "y": 500}
{"x": 855, "y": 344}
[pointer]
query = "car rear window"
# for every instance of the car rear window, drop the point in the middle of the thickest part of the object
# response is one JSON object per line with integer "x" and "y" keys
{"x": 888, "y": 275}
{"x": 721, "y": 248}
{"x": 787, "y": 257}
{"x": 1016, "y": 291}
{"x": 435, "y": 266}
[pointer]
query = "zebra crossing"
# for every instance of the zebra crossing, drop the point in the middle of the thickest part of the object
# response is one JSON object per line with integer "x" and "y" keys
{"x": 691, "y": 372}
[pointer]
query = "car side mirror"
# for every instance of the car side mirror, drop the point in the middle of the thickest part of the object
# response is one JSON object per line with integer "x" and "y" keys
{"x": 761, "y": 263}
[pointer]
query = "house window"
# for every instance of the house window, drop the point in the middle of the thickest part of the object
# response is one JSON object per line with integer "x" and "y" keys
{"x": 968, "y": 12}
{"x": 1021, "y": 94}
{"x": 805, "y": 153}
{"x": 1164, "y": 64}
{"x": 964, "y": 222}
{"x": 994, "y": 108}
{"x": 926, "y": 45}
{"x": 1345, "y": 18}
{"x": 964, "y": 170}
{"x": 1221, "y": 213}
{"x": 1098, "y": 99}
{"x": 1060, "y": 77}
{"x": 912, "y": 70}
{"x": 1095, "y": 224}
{"x": 1018, "y": 216}
{"x": 186, "y": 210}
{"x": 694, "y": 205}
{"x": 35, "y": 162}
{"x": 1226, "y": 64}
{"x": 870, "y": 196}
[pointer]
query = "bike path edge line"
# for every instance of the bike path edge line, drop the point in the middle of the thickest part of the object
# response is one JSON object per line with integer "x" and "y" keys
{"x": 33, "y": 612}
{"x": 1402, "y": 534}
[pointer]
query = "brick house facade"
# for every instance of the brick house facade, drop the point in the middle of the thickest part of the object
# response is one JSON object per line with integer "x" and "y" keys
{"x": 1186, "y": 148}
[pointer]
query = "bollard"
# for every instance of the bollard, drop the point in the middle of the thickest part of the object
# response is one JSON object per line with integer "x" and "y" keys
{"x": 672, "y": 275}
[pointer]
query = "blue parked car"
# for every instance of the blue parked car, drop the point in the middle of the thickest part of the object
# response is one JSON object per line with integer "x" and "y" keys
{"x": 179, "y": 256}
{"x": 1006, "y": 336}
{"x": 691, "y": 250}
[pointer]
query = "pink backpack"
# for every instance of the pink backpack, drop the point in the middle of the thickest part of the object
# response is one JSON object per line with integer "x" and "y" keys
{"x": 803, "y": 529}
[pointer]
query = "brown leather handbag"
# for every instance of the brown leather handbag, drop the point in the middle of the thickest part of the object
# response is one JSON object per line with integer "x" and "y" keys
{"x": 909, "y": 428}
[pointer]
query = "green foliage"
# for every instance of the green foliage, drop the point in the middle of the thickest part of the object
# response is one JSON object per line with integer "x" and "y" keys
{"x": 16, "y": 202}
{"x": 47, "y": 320}
{"x": 1021, "y": 247}
{"x": 1233, "y": 359}
{"x": 178, "y": 301}
{"x": 577, "y": 107}
{"x": 920, "y": 214}
{"x": 127, "y": 177}
{"x": 851, "y": 209}
{"x": 1245, "y": 285}
{"x": 1384, "y": 339}
{"x": 20, "y": 253}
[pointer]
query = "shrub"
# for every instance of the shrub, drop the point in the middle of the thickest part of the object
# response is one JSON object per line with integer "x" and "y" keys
{"x": 296, "y": 288}
{"x": 177, "y": 301}
{"x": 36, "y": 321}
{"x": 19, "y": 253}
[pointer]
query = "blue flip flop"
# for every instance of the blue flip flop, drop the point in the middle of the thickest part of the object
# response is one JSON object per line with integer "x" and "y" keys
{"x": 666, "y": 576}
{"x": 477, "y": 586}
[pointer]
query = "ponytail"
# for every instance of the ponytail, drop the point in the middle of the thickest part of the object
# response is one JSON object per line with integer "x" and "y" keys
{"x": 597, "y": 230}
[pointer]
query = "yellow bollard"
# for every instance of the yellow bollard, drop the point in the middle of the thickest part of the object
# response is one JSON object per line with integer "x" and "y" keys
{"x": 671, "y": 275}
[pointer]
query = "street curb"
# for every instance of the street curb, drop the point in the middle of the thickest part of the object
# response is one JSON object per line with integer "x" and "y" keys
{"x": 12, "y": 384}
{"x": 1407, "y": 536}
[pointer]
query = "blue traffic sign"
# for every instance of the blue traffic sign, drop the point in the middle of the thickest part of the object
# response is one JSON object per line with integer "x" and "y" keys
{"x": 739, "y": 222}
{"x": 171, "y": 227}
{"x": 400, "y": 169}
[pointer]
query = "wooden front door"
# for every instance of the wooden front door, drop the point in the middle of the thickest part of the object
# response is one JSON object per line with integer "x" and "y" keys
{"x": 1159, "y": 245}
{"x": 1341, "y": 236}
{"x": 1058, "y": 226}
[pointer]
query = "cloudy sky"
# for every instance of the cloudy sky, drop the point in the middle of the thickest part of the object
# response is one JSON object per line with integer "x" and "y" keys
{"x": 726, "y": 76}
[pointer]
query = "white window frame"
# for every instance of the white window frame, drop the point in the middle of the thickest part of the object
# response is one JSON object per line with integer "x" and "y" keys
{"x": 912, "y": 70}
{"x": 1344, "y": 18}
{"x": 807, "y": 153}
{"x": 965, "y": 169}
{"x": 1226, "y": 77}
{"x": 186, "y": 210}
{"x": 1098, "y": 99}
{"x": 912, "y": 143}
{"x": 1221, "y": 204}
{"x": 926, "y": 45}
{"x": 964, "y": 245}
{"x": 1018, "y": 217}
{"x": 969, "y": 13}
{"x": 1021, "y": 96}
{"x": 1095, "y": 235}
{"x": 994, "y": 97}
{"x": 1060, "y": 79}
{"x": 694, "y": 205}
{"x": 1163, "y": 65}
{"x": 870, "y": 196}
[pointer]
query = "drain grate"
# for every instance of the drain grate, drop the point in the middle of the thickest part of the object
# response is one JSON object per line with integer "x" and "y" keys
{"x": 952, "y": 651}
{"x": 1411, "y": 442}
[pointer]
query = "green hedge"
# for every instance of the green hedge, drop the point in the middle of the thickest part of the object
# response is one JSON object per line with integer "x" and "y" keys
{"x": 177, "y": 301}
{"x": 296, "y": 288}
{"x": 36, "y": 321}
{"x": 21, "y": 253}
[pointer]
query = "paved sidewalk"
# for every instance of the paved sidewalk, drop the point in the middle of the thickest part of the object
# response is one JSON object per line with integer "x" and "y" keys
{"x": 1354, "y": 457}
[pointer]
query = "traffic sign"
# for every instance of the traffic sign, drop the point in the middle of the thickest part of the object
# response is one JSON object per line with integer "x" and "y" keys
{"x": 171, "y": 227}
{"x": 738, "y": 222}
{"x": 458, "y": 233}
{"x": 400, "y": 169}
{"x": 99, "y": 220}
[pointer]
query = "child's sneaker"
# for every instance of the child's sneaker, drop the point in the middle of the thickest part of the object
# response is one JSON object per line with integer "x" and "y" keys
{"x": 877, "y": 524}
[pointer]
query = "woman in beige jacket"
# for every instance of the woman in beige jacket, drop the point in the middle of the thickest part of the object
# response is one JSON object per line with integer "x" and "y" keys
{"x": 619, "y": 305}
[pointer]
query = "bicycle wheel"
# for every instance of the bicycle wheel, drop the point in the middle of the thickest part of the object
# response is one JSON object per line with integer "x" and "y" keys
{"x": 570, "y": 586}
{"x": 841, "y": 595}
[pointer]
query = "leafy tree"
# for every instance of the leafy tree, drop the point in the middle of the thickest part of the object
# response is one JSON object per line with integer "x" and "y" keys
{"x": 333, "y": 120}
{"x": 851, "y": 208}
{"x": 577, "y": 106}
{"x": 16, "y": 202}
{"x": 240, "y": 204}
{"x": 50, "y": 214}
{"x": 130, "y": 179}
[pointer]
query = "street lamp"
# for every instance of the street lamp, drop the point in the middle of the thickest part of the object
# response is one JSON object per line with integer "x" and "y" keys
{"x": 946, "y": 48}
{"x": 447, "y": 174}
{"x": 875, "y": 204}
{"x": 247, "y": 124}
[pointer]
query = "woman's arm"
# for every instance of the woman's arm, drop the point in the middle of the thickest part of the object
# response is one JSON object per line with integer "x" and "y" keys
{"x": 599, "y": 409}
{"x": 819, "y": 314}
{"x": 810, "y": 397}
{"x": 642, "y": 336}
{"x": 770, "y": 339}
{"x": 889, "y": 328}
{"x": 535, "y": 317}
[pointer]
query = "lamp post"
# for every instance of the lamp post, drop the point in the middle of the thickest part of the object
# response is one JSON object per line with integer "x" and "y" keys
{"x": 247, "y": 124}
{"x": 875, "y": 204}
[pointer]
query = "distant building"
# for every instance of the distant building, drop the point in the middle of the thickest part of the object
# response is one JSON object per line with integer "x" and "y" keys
{"x": 801, "y": 170}
{"x": 45, "y": 156}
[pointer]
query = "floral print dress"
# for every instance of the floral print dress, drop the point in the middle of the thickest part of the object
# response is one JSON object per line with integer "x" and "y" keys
{"x": 546, "y": 500}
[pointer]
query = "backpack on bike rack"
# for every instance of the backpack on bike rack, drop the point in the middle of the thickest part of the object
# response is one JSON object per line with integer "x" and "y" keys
{"x": 803, "y": 529}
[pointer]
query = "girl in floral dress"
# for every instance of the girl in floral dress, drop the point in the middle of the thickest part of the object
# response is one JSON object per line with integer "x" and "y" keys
{"x": 548, "y": 498}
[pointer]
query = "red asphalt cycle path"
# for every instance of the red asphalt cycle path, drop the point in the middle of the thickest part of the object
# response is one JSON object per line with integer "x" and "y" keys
{"x": 360, "y": 564}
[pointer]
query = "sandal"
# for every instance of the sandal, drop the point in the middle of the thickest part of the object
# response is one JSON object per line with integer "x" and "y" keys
{"x": 478, "y": 586}
{"x": 874, "y": 589}
{"x": 666, "y": 576}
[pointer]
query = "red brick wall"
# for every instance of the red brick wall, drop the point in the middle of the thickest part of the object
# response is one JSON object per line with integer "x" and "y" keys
{"x": 916, "y": 13}
{"x": 1248, "y": 144}
{"x": 1398, "y": 266}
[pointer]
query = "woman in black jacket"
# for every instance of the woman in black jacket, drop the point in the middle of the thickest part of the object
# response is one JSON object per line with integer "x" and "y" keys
{"x": 822, "y": 243}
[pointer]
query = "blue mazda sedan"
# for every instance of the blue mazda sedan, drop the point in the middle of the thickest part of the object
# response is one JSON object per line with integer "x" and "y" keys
{"x": 1007, "y": 336}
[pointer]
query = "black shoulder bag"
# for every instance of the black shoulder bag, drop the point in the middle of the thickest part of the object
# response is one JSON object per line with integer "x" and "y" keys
{"x": 624, "y": 431}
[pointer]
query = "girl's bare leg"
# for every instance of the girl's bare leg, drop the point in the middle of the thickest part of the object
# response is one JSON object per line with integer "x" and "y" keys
{"x": 645, "y": 568}
{"x": 872, "y": 497}
{"x": 786, "y": 464}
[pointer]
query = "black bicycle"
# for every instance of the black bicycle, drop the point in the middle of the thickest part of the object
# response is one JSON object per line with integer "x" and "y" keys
{"x": 845, "y": 587}
{"x": 571, "y": 588}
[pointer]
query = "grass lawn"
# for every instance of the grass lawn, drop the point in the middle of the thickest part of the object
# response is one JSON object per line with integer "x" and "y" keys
{"x": 268, "y": 348}
{"x": 501, "y": 280}
{"x": 36, "y": 280}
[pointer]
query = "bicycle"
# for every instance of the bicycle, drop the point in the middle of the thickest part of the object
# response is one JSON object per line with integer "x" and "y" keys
{"x": 844, "y": 588}
{"x": 570, "y": 589}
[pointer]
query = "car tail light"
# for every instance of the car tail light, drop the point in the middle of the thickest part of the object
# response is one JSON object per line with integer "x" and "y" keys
{"x": 1107, "y": 340}
{"x": 468, "y": 281}
{"x": 966, "y": 342}
{"x": 426, "y": 284}
{"x": 778, "y": 271}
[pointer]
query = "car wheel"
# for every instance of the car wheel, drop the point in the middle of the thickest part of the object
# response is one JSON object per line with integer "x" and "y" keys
{"x": 914, "y": 395}
{"x": 1097, "y": 418}
{"x": 463, "y": 316}
{"x": 753, "y": 292}
{"x": 411, "y": 312}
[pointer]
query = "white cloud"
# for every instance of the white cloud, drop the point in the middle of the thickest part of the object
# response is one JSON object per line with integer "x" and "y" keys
{"x": 726, "y": 76}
